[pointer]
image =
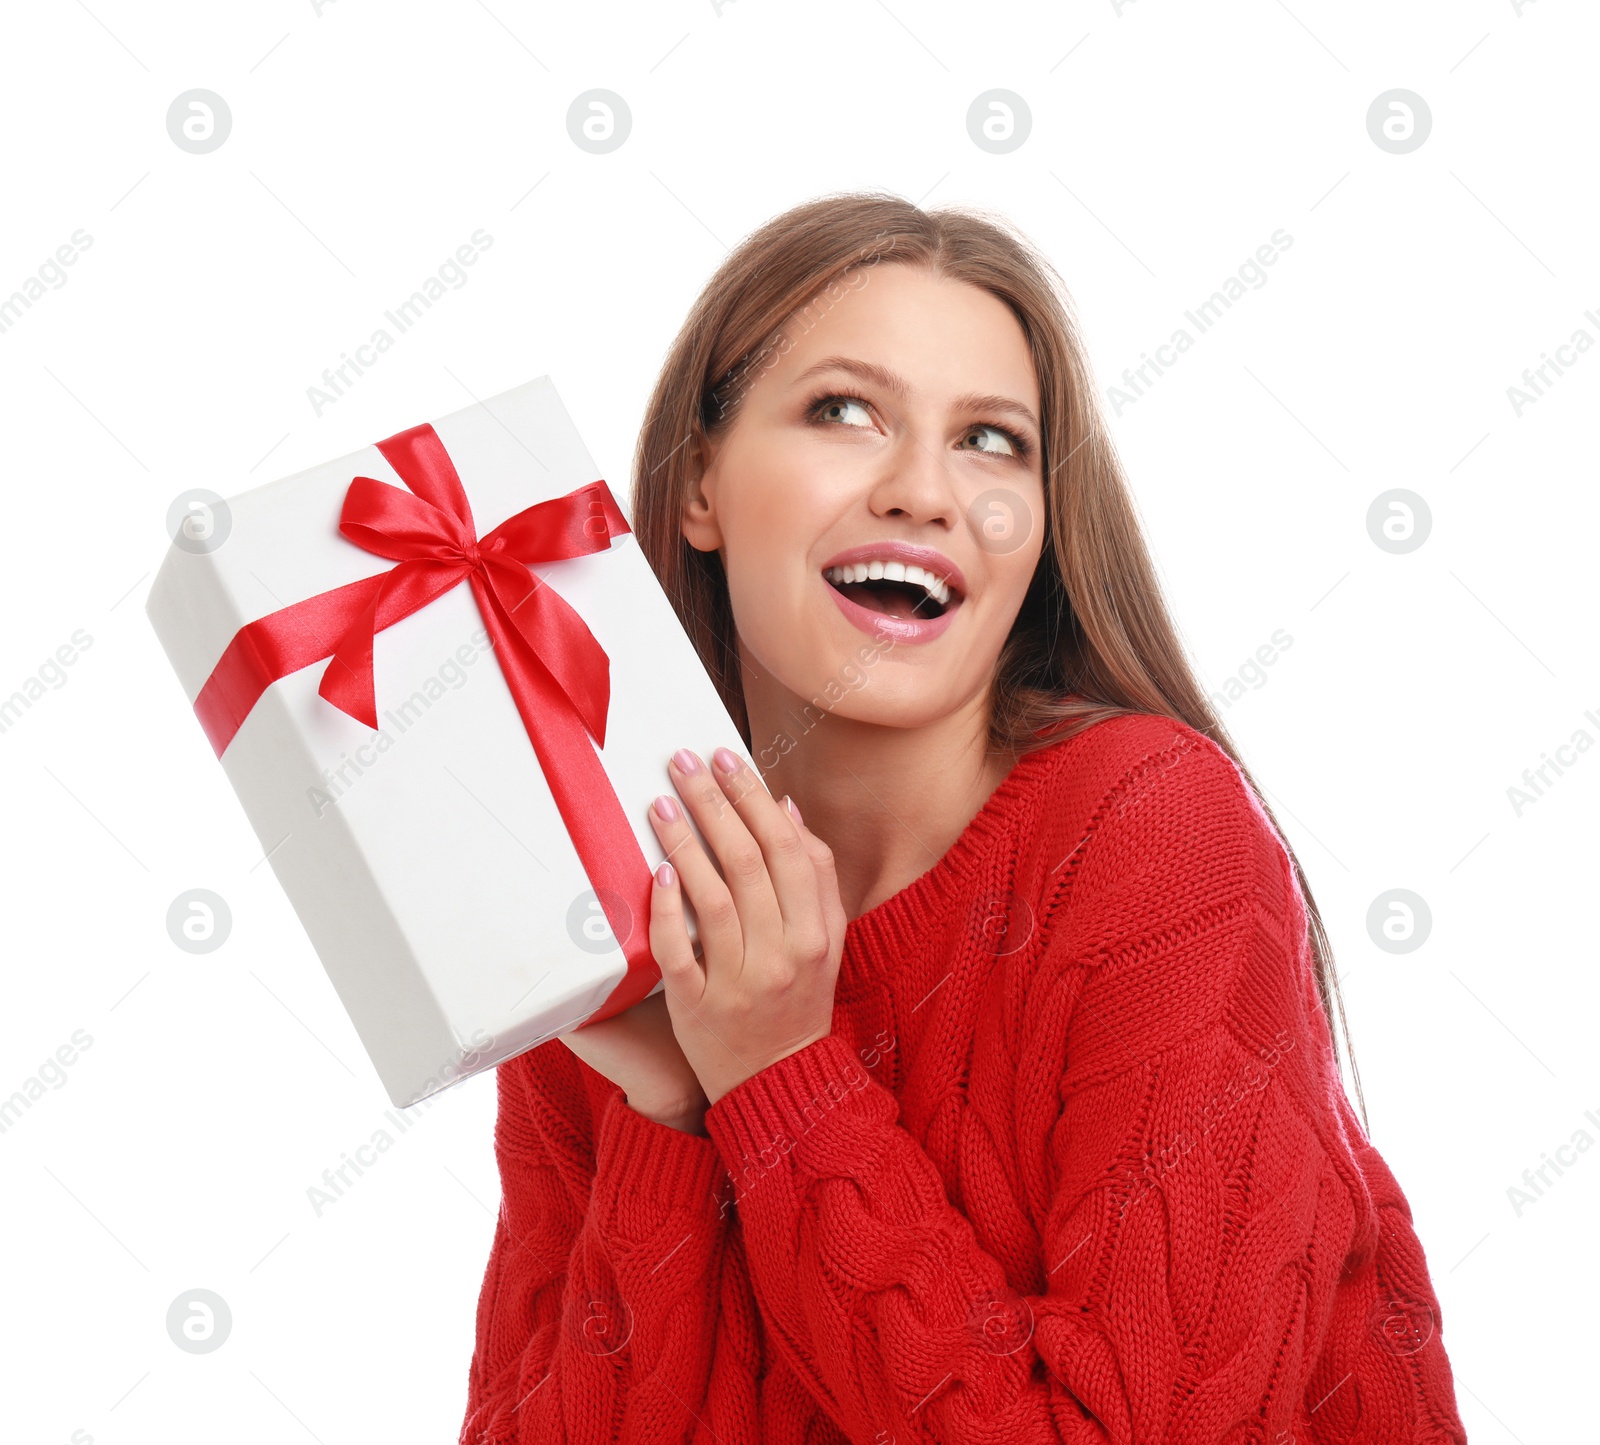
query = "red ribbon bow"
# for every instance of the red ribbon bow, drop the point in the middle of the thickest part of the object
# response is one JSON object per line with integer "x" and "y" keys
{"x": 558, "y": 674}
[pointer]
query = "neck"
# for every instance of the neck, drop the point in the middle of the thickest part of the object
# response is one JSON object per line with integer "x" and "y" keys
{"x": 888, "y": 801}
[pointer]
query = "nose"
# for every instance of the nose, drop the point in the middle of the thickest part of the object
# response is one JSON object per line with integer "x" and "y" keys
{"x": 916, "y": 484}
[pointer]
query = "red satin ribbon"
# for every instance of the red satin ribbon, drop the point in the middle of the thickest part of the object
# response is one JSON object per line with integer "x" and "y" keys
{"x": 558, "y": 674}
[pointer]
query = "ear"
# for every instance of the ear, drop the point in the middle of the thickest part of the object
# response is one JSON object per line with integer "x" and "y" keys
{"x": 701, "y": 528}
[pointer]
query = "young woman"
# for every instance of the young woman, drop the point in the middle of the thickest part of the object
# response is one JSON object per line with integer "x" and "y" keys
{"x": 1001, "y": 1103}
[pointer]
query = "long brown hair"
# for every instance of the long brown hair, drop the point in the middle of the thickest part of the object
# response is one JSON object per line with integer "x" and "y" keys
{"x": 1093, "y": 639}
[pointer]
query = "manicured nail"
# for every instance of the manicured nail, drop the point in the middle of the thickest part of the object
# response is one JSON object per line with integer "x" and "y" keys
{"x": 789, "y": 803}
{"x": 687, "y": 762}
{"x": 665, "y": 809}
{"x": 664, "y": 876}
{"x": 724, "y": 759}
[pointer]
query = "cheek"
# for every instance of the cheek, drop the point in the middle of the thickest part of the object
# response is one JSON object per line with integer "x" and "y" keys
{"x": 768, "y": 494}
{"x": 765, "y": 547}
{"x": 1010, "y": 578}
{"x": 763, "y": 607}
{"x": 778, "y": 505}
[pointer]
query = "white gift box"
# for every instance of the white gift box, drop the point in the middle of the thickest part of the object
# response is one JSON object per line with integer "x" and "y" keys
{"x": 427, "y": 860}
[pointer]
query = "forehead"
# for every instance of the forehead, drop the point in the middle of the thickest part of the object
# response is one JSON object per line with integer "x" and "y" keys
{"x": 944, "y": 337}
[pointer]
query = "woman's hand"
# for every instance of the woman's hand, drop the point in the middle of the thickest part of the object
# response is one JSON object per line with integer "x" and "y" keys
{"x": 637, "y": 1051}
{"x": 771, "y": 923}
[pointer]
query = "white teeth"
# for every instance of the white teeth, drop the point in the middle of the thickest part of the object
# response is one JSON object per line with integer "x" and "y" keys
{"x": 879, "y": 569}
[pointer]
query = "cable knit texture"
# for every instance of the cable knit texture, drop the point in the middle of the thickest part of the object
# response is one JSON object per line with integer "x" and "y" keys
{"x": 1075, "y": 1164}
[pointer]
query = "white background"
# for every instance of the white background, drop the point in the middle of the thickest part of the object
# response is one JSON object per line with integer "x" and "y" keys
{"x": 1168, "y": 141}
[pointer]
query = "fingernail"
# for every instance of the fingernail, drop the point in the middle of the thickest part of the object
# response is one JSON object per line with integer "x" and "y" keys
{"x": 687, "y": 762}
{"x": 664, "y": 876}
{"x": 789, "y": 803}
{"x": 665, "y": 809}
{"x": 724, "y": 759}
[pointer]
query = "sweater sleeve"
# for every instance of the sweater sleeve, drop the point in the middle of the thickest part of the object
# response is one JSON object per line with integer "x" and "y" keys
{"x": 596, "y": 1317}
{"x": 1204, "y": 1232}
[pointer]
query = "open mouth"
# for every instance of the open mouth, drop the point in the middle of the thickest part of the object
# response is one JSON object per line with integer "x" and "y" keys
{"x": 894, "y": 589}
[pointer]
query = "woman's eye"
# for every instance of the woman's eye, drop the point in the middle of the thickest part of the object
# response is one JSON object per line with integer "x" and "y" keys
{"x": 837, "y": 408}
{"x": 978, "y": 433}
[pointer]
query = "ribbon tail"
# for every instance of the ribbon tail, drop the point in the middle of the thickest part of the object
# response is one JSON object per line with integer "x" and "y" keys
{"x": 271, "y": 648}
{"x": 585, "y": 798}
{"x": 558, "y": 638}
{"x": 347, "y": 679}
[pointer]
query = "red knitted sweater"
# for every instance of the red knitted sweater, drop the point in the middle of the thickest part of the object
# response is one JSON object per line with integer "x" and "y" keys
{"x": 1075, "y": 1164}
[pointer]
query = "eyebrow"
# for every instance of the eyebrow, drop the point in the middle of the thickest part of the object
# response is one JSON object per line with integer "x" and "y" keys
{"x": 896, "y": 385}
